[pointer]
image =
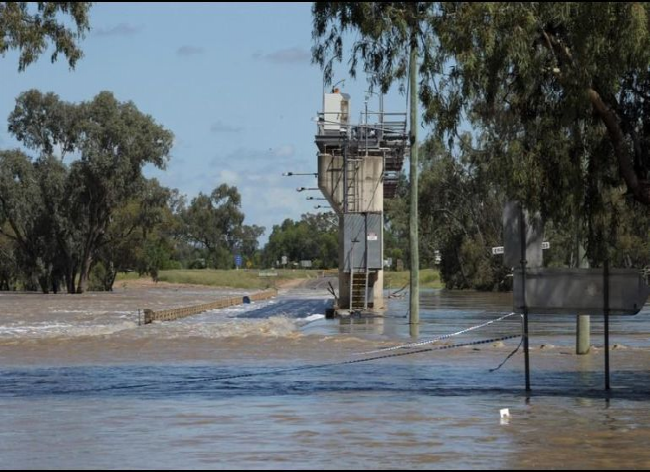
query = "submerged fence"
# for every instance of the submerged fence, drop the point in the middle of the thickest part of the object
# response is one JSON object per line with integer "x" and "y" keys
{"x": 183, "y": 312}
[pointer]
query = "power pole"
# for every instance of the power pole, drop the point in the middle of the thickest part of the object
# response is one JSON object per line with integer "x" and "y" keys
{"x": 414, "y": 294}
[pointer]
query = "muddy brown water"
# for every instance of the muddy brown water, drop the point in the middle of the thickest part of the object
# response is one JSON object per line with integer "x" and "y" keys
{"x": 261, "y": 386}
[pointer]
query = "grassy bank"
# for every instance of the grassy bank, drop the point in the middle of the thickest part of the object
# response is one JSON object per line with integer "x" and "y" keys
{"x": 224, "y": 278}
{"x": 429, "y": 278}
{"x": 250, "y": 279}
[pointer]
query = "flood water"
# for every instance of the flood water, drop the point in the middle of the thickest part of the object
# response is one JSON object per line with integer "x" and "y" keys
{"x": 267, "y": 385}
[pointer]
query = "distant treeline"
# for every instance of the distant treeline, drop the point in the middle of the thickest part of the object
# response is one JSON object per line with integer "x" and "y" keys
{"x": 79, "y": 210}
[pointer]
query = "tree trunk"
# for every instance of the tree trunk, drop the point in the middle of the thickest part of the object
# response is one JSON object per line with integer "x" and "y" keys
{"x": 414, "y": 294}
{"x": 87, "y": 258}
{"x": 43, "y": 282}
{"x": 84, "y": 274}
{"x": 110, "y": 276}
{"x": 69, "y": 282}
{"x": 625, "y": 164}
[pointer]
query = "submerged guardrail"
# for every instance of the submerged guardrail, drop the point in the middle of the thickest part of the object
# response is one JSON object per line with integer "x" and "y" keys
{"x": 172, "y": 314}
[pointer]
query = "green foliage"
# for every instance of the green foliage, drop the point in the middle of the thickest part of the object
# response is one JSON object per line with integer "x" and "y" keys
{"x": 141, "y": 234}
{"x": 100, "y": 278}
{"x": 429, "y": 278}
{"x": 214, "y": 224}
{"x": 461, "y": 216}
{"x": 68, "y": 208}
{"x": 382, "y": 34}
{"x": 248, "y": 238}
{"x": 30, "y": 26}
{"x": 24, "y": 220}
{"x": 314, "y": 238}
{"x": 9, "y": 269}
{"x": 559, "y": 94}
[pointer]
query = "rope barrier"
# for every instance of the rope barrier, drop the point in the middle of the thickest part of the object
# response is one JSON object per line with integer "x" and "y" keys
{"x": 294, "y": 369}
{"x": 437, "y": 339}
{"x": 509, "y": 356}
{"x": 340, "y": 364}
{"x": 398, "y": 291}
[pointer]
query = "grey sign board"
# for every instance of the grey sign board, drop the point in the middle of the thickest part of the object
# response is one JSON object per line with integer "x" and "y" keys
{"x": 580, "y": 291}
{"x": 362, "y": 234}
{"x": 534, "y": 231}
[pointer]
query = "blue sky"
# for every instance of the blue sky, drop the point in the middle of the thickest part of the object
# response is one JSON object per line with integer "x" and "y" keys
{"x": 233, "y": 82}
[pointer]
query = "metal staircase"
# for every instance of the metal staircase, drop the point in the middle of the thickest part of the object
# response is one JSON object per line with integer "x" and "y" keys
{"x": 359, "y": 290}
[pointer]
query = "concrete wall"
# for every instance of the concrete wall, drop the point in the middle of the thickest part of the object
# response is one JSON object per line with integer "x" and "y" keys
{"x": 370, "y": 192}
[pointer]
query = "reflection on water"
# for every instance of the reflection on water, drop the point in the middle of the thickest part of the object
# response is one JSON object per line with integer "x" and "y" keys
{"x": 444, "y": 311}
{"x": 150, "y": 397}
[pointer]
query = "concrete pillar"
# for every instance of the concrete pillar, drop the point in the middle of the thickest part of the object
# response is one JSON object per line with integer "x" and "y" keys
{"x": 583, "y": 334}
{"x": 583, "y": 322}
{"x": 369, "y": 192}
{"x": 378, "y": 292}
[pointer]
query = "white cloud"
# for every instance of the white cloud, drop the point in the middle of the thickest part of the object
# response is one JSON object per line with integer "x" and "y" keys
{"x": 293, "y": 55}
{"x": 286, "y": 150}
{"x": 221, "y": 127}
{"x": 188, "y": 50}
{"x": 268, "y": 198}
{"x": 229, "y": 177}
{"x": 122, "y": 29}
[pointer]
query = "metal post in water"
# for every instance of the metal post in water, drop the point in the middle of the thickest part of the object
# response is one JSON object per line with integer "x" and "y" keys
{"x": 414, "y": 292}
{"x": 606, "y": 313}
{"x": 522, "y": 232}
{"x": 526, "y": 350}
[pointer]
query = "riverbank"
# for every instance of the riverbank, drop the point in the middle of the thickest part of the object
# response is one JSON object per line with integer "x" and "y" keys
{"x": 261, "y": 279}
{"x": 235, "y": 279}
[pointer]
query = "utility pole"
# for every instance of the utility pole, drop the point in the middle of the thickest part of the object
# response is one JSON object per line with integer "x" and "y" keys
{"x": 414, "y": 294}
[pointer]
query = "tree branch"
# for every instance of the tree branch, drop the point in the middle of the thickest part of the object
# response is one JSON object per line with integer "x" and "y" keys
{"x": 639, "y": 189}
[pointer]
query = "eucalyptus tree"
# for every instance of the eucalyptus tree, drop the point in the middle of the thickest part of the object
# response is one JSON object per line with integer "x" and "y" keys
{"x": 247, "y": 238}
{"x": 392, "y": 41}
{"x": 562, "y": 92}
{"x": 314, "y": 237}
{"x": 463, "y": 217}
{"x": 23, "y": 219}
{"x": 140, "y": 235}
{"x": 109, "y": 143}
{"x": 213, "y": 223}
{"x": 33, "y": 27}
{"x": 9, "y": 270}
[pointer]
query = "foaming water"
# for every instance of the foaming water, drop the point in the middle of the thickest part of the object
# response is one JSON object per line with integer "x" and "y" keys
{"x": 266, "y": 385}
{"x": 63, "y": 330}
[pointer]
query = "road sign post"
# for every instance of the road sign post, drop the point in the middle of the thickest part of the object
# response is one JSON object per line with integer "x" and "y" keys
{"x": 541, "y": 291}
